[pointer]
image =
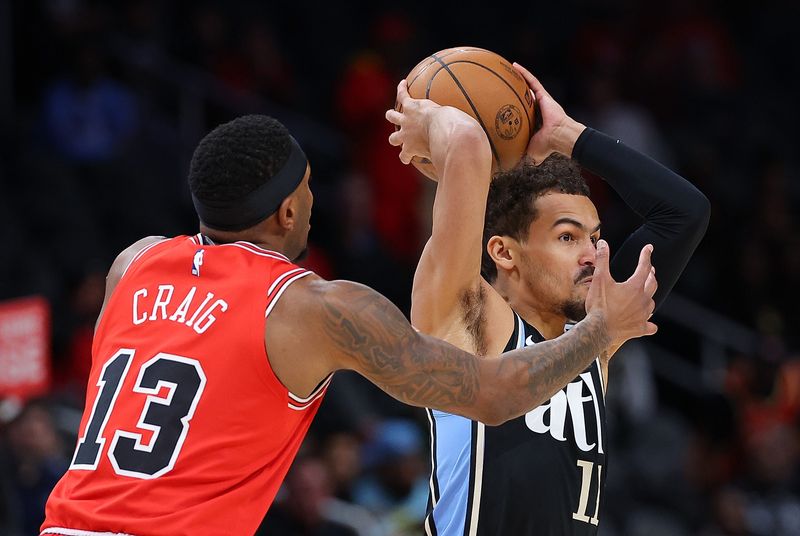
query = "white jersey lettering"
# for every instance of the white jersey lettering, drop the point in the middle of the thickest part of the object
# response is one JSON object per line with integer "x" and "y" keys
{"x": 164, "y": 308}
{"x": 570, "y": 399}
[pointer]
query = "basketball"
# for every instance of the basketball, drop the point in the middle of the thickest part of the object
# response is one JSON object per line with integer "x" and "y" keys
{"x": 486, "y": 86}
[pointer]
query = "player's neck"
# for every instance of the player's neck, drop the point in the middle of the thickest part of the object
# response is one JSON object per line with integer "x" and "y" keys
{"x": 258, "y": 239}
{"x": 549, "y": 325}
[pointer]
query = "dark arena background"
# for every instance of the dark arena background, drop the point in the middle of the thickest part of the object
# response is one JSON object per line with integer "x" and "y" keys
{"x": 102, "y": 103}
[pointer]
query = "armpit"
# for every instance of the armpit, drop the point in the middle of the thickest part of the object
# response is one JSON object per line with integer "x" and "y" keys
{"x": 472, "y": 311}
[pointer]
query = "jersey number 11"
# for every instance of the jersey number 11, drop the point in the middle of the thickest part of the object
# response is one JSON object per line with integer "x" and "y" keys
{"x": 583, "y": 501}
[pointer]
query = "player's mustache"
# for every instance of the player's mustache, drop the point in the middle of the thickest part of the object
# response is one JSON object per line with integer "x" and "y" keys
{"x": 586, "y": 271}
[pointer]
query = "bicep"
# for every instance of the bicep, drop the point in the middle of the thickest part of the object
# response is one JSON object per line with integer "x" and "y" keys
{"x": 438, "y": 297}
{"x": 366, "y": 333}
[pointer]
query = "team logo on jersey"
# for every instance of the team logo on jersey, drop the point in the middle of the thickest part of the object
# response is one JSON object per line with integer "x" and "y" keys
{"x": 197, "y": 262}
{"x": 551, "y": 417}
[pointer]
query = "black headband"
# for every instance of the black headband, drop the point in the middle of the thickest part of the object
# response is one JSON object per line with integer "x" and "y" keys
{"x": 261, "y": 202}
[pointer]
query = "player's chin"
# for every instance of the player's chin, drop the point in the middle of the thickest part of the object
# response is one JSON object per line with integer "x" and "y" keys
{"x": 582, "y": 290}
{"x": 575, "y": 309}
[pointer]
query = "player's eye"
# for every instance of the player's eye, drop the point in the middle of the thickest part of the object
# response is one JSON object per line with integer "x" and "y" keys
{"x": 594, "y": 240}
{"x": 566, "y": 237}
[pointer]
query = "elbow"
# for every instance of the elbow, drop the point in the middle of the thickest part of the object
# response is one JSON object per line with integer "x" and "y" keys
{"x": 469, "y": 136}
{"x": 699, "y": 215}
{"x": 691, "y": 217}
{"x": 703, "y": 209}
{"x": 491, "y": 418}
{"x": 493, "y": 412}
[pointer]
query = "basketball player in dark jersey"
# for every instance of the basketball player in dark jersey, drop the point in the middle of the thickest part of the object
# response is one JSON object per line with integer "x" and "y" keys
{"x": 541, "y": 473}
{"x": 213, "y": 352}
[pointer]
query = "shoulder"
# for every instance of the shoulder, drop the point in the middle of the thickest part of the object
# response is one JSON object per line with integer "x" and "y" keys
{"x": 126, "y": 257}
{"x": 121, "y": 263}
{"x": 313, "y": 295}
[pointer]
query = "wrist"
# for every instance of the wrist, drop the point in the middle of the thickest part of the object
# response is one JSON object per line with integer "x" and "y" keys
{"x": 596, "y": 320}
{"x": 565, "y": 135}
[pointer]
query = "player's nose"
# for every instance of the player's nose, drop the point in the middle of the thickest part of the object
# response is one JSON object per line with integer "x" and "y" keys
{"x": 588, "y": 254}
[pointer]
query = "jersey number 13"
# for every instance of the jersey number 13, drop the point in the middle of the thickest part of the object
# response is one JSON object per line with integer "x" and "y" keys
{"x": 167, "y": 417}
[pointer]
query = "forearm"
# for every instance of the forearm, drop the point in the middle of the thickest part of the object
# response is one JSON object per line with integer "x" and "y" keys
{"x": 363, "y": 331}
{"x": 676, "y": 213}
{"x": 450, "y": 265}
{"x": 495, "y": 390}
{"x": 652, "y": 190}
{"x": 456, "y": 142}
{"x": 523, "y": 379}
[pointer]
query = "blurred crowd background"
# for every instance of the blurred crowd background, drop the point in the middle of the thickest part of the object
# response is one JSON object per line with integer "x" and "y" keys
{"x": 102, "y": 103}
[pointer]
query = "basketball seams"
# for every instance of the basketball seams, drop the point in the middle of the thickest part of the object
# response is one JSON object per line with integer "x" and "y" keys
{"x": 498, "y": 75}
{"x": 411, "y": 82}
{"x": 430, "y": 83}
{"x": 471, "y": 104}
{"x": 433, "y": 62}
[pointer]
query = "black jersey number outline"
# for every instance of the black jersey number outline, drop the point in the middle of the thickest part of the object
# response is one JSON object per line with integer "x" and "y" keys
{"x": 166, "y": 417}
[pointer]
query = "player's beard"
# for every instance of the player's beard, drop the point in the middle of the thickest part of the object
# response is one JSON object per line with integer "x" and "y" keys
{"x": 575, "y": 307}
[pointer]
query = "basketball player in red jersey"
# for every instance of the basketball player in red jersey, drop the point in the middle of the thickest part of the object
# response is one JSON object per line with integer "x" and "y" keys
{"x": 213, "y": 352}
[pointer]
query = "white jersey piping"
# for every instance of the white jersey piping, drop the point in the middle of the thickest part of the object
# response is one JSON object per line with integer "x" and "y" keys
{"x": 77, "y": 532}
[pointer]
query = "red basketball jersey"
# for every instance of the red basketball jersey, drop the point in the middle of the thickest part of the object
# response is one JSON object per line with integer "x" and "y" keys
{"x": 186, "y": 428}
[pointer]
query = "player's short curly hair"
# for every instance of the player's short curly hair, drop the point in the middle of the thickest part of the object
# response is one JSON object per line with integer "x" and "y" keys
{"x": 511, "y": 204}
{"x": 238, "y": 157}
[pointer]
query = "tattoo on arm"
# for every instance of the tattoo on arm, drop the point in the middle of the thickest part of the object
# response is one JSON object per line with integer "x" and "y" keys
{"x": 378, "y": 342}
{"x": 556, "y": 363}
{"x": 371, "y": 336}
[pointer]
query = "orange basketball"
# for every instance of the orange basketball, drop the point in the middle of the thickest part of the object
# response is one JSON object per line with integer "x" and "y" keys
{"x": 485, "y": 86}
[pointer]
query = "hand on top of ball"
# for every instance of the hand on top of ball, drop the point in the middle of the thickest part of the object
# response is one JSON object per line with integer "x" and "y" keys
{"x": 558, "y": 132}
{"x": 413, "y": 116}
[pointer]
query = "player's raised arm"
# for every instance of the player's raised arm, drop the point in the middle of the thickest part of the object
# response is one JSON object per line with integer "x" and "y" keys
{"x": 674, "y": 211}
{"x": 458, "y": 148}
{"x": 345, "y": 325}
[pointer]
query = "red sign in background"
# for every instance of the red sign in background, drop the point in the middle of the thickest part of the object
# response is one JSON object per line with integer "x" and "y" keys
{"x": 24, "y": 347}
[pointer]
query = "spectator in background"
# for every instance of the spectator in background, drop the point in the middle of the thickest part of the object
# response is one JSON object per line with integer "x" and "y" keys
{"x": 73, "y": 367}
{"x": 257, "y": 64}
{"x": 609, "y": 112}
{"x": 342, "y": 457}
{"x": 88, "y": 116}
{"x": 33, "y": 460}
{"x": 770, "y": 486}
{"x": 395, "y": 191}
{"x": 300, "y": 508}
{"x": 396, "y": 485}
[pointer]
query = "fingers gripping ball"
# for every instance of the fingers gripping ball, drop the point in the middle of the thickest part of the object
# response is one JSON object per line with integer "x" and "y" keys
{"x": 485, "y": 86}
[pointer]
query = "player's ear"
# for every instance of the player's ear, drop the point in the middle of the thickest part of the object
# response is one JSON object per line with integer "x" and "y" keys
{"x": 502, "y": 251}
{"x": 287, "y": 213}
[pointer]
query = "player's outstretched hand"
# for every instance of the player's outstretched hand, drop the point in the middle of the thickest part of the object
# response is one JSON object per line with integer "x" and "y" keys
{"x": 413, "y": 117}
{"x": 558, "y": 131}
{"x": 628, "y": 306}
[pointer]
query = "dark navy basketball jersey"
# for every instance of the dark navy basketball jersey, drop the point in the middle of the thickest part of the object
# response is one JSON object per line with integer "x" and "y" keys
{"x": 539, "y": 474}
